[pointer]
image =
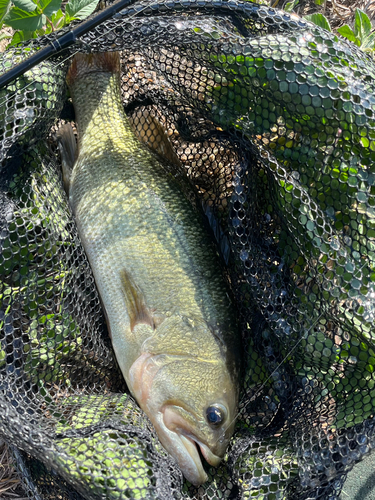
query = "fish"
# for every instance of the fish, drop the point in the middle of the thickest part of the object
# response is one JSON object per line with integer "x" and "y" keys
{"x": 169, "y": 314}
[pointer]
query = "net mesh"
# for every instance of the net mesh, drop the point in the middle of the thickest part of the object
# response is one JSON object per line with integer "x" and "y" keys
{"x": 271, "y": 120}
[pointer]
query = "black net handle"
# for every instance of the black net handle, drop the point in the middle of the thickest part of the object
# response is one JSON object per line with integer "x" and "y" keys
{"x": 63, "y": 42}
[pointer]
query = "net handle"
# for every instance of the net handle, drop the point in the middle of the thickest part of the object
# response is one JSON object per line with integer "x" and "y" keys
{"x": 62, "y": 42}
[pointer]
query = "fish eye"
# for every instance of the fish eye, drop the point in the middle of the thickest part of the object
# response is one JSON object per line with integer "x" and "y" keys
{"x": 216, "y": 415}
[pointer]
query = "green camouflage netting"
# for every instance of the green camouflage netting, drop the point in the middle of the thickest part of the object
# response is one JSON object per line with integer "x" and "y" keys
{"x": 272, "y": 120}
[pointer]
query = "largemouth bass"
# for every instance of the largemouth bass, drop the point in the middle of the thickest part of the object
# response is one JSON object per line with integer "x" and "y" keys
{"x": 169, "y": 316}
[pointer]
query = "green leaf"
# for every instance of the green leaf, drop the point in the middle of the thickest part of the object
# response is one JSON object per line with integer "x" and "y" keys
{"x": 21, "y": 20}
{"x": 80, "y": 9}
{"x": 21, "y": 36}
{"x": 4, "y": 36}
{"x": 369, "y": 42}
{"x": 26, "y": 5}
{"x": 58, "y": 19}
{"x": 319, "y": 20}
{"x": 68, "y": 19}
{"x": 49, "y": 7}
{"x": 290, "y": 5}
{"x": 42, "y": 32}
{"x": 346, "y": 32}
{"x": 319, "y": 2}
{"x": 362, "y": 24}
{"x": 4, "y": 8}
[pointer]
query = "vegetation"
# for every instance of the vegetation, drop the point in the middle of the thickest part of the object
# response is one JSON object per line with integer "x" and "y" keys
{"x": 33, "y": 18}
{"x": 361, "y": 34}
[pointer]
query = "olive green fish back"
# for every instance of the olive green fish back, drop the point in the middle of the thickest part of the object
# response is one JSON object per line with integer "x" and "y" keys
{"x": 268, "y": 123}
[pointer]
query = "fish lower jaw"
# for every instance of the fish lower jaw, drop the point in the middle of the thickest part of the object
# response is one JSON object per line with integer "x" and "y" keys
{"x": 199, "y": 476}
{"x": 183, "y": 449}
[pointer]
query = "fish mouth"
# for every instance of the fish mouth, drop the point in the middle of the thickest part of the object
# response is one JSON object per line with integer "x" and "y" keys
{"x": 190, "y": 461}
{"x": 184, "y": 446}
{"x": 183, "y": 449}
{"x": 191, "y": 444}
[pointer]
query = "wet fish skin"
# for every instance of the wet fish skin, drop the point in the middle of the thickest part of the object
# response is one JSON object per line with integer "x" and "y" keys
{"x": 168, "y": 311}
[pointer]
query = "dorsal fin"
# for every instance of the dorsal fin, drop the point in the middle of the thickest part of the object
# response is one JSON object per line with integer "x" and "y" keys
{"x": 68, "y": 151}
{"x": 149, "y": 129}
{"x": 135, "y": 302}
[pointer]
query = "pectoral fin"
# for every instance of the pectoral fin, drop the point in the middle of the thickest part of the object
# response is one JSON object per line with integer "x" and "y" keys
{"x": 135, "y": 302}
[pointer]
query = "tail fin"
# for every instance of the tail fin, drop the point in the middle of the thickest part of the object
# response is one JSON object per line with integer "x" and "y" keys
{"x": 108, "y": 62}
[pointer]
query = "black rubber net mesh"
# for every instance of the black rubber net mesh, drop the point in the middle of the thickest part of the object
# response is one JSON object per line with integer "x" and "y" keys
{"x": 272, "y": 123}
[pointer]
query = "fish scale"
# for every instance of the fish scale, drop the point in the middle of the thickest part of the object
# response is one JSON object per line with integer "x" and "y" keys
{"x": 171, "y": 322}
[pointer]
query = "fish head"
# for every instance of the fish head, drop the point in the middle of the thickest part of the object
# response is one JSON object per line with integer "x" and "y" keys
{"x": 190, "y": 397}
{"x": 194, "y": 429}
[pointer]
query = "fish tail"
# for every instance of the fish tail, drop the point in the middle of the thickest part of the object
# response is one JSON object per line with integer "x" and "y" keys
{"x": 82, "y": 64}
